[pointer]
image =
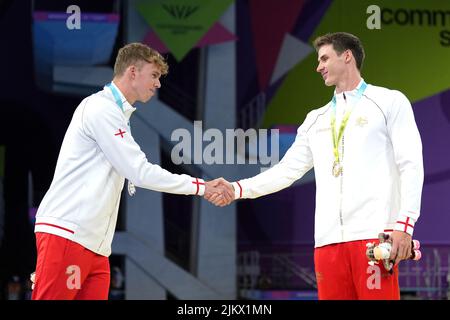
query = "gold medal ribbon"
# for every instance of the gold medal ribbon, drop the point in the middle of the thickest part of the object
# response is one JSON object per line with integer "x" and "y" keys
{"x": 338, "y": 136}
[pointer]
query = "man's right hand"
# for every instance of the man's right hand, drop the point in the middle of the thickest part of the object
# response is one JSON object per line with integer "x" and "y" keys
{"x": 219, "y": 192}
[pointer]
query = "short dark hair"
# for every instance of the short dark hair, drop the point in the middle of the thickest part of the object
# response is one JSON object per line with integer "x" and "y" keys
{"x": 342, "y": 41}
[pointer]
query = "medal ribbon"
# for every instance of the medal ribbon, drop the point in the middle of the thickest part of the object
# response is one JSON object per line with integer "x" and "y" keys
{"x": 118, "y": 98}
{"x": 119, "y": 102}
{"x": 337, "y": 138}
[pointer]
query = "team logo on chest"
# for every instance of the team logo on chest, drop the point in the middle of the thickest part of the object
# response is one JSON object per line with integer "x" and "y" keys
{"x": 323, "y": 129}
{"x": 361, "y": 121}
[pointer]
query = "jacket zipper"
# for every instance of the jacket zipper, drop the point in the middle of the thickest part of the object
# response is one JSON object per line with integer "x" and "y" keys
{"x": 341, "y": 218}
{"x": 109, "y": 223}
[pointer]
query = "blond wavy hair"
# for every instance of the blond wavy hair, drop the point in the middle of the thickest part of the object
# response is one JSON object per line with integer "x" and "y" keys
{"x": 135, "y": 54}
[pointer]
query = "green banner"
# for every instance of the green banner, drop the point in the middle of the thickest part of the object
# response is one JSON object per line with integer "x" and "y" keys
{"x": 180, "y": 24}
{"x": 408, "y": 50}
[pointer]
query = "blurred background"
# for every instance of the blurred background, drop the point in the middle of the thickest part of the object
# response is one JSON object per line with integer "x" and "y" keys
{"x": 245, "y": 64}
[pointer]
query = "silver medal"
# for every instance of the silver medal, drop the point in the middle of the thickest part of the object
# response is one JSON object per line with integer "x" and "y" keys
{"x": 131, "y": 188}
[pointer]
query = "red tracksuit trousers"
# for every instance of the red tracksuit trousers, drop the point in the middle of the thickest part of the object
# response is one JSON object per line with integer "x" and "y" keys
{"x": 66, "y": 270}
{"x": 343, "y": 273}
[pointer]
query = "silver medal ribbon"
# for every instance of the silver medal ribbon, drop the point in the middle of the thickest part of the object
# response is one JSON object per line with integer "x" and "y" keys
{"x": 119, "y": 102}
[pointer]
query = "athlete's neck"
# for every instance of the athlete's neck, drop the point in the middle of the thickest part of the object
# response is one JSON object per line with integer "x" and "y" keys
{"x": 125, "y": 88}
{"x": 348, "y": 83}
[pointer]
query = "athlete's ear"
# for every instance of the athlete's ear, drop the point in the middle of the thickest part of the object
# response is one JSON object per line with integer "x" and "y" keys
{"x": 131, "y": 71}
{"x": 348, "y": 55}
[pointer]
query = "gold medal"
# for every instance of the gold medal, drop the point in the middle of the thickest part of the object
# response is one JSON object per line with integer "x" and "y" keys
{"x": 337, "y": 169}
{"x": 339, "y": 135}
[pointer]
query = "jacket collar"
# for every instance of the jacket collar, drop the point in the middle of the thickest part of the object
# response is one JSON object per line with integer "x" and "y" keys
{"x": 128, "y": 109}
{"x": 349, "y": 94}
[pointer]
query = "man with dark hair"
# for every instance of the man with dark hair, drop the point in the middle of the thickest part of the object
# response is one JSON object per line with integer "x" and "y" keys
{"x": 342, "y": 41}
{"x": 366, "y": 152}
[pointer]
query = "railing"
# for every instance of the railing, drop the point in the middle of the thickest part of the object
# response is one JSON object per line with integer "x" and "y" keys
{"x": 428, "y": 278}
{"x": 275, "y": 271}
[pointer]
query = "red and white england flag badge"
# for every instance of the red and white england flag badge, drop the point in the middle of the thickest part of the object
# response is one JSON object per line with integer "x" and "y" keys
{"x": 120, "y": 133}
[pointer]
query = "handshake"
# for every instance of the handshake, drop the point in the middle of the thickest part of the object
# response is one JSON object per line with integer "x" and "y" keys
{"x": 219, "y": 192}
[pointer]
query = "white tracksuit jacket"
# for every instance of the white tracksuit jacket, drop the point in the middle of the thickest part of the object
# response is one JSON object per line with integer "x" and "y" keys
{"x": 381, "y": 185}
{"x": 98, "y": 151}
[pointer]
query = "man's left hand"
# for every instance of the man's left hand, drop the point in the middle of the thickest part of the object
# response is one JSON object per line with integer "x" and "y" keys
{"x": 219, "y": 192}
{"x": 401, "y": 246}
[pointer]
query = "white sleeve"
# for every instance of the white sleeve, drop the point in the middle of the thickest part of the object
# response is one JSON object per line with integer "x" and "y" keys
{"x": 407, "y": 146}
{"x": 104, "y": 123}
{"x": 295, "y": 163}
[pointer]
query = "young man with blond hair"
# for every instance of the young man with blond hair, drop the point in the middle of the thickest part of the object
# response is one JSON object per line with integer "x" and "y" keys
{"x": 76, "y": 219}
{"x": 366, "y": 152}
